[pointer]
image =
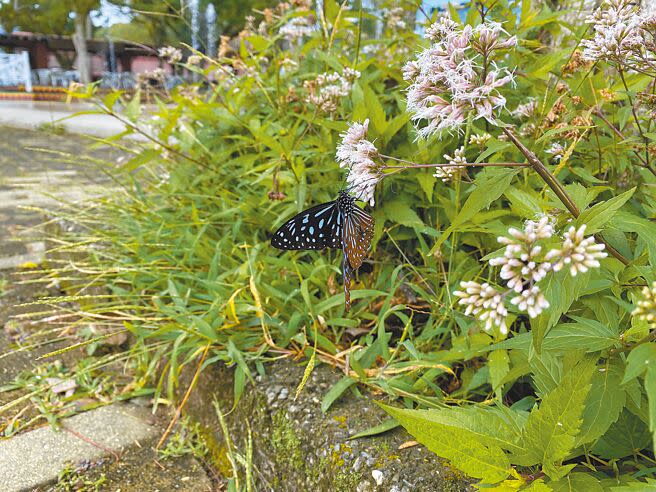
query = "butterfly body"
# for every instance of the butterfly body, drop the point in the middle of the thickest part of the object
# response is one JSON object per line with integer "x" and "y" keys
{"x": 337, "y": 224}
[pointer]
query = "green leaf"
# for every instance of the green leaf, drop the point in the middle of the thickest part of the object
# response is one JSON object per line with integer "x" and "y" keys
{"x": 639, "y": 360}
{"x": 648, "y": 486}
{"x": 650, "y": 389}
{"x": 551, "y": 429}
{"x": 394, "y": 125}
{"x": 499, "y": 365}
{"x": 466, "y": 450}
{"x": 427, "y": 182}
{"x": 587, "y": 334}
{"x": 526, "y": 204}
{"x": 547, "y": 368}
{"x": 400, "y": 212}
{"x": 133, "y": 109}
{"x": 645, "y": 229}
{"x": 577, "y": 482}
{"x": 375, "y": 110}
{"x": 490, "y": 185}
{"x": 336, "y": 391}
{"x": 627, "y": 435}
{"x": 385, "y": 426}
{"x": 598, "y": 215}
{"x": 605, "y": 403}
{"x": 561, "y": 290}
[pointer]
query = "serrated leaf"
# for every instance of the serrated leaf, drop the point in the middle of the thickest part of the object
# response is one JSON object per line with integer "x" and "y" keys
{"x": 547, "y": 369}
{"x": 526, "y": 204}
{"x": 623, "y": 438}
{"x": 604, "y": 405}
{"x": 598, "y": 215}
{"x": 645, "y": 229}
{"x": 577, "y": 482}
{"x": 561, "y": 290}
{"x": 638, "y": 486}
{"x": 551, "y": 429}
{"x": 639, "y": 360}
{"x": 587, "y": 334}
{"x": 133, "y": 109}
{"x": 464, "y": 449}
{"x": 427, "y": 183}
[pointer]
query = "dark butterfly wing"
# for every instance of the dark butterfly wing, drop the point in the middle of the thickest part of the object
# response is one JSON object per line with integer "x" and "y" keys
{"x": 356, "y": 235}
{"x": 318, "y": 227}
{"x": 347, "y": 273}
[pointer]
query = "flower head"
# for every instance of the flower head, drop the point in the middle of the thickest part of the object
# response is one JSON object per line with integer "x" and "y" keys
{"x": 447, "y": 173}
{"x": 479, "y": 139}
{"x": 170, "y": 54}
{"x": 194, "y": 60}
{"x": 525, "y": 110}
{"x": 521, "y": 263}
{"x": 298, "y": 27}
{"x": 577, "y": 252}
{"x": 620, "y": 32}
{"x": 485, "y": 303}
{"x": 646, "y": 307}
{"x": 358, "y": 154}
{"x": 448, "y": 80}
{"x": 557, "y": 150}
{"x": 327, "y": 90}
{"x": 394, "y": 19}
{"x": 531, "y": 300}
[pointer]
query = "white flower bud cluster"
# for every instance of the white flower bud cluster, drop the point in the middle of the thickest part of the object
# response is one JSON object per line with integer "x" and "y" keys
{"x": 447, "y": 173}
{"x": 485, "y": 303}
{"x": 170, "y": 54}
{"x": 524, "y": 265}
{"x": 521, "y": 262}
{"x": 578, "y": 253}
{"x": 479, "y": 139}
{"x": 328, "y": 89}
{"x": 646, "y": 307}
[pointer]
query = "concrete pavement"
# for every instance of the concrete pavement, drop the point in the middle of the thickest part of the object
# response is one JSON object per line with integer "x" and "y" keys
{"x": 32, "y": 114}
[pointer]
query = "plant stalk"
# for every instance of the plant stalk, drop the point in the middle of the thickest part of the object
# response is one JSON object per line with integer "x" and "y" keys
{"x": 558, "y": 189}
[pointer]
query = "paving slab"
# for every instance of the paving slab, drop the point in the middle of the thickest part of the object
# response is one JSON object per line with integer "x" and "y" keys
{"x": 35, "y": 458}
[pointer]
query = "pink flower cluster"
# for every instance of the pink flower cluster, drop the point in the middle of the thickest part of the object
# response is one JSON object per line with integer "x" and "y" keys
{"x": 623, "y": 33}
{"x": 359, "y": 155}
{"x": 457, "y": 74}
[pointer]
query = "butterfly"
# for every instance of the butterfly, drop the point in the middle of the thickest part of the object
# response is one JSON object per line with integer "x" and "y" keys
{"x": 337, "y": 224}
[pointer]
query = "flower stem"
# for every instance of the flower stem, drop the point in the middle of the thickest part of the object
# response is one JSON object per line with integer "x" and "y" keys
{"x": 414, "y": 165}
{"x": 557, "y": 188}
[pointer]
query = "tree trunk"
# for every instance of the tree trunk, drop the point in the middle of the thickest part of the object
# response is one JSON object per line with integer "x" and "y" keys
{"x": 80, "y": 43}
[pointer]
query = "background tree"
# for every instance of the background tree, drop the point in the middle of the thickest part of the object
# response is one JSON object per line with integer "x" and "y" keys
{"x": 158, "y": 23}
{"x": 60, "y": 17}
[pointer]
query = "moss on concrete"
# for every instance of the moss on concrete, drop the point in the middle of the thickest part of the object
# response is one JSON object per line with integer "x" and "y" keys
{"x": 297, "y": 447}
